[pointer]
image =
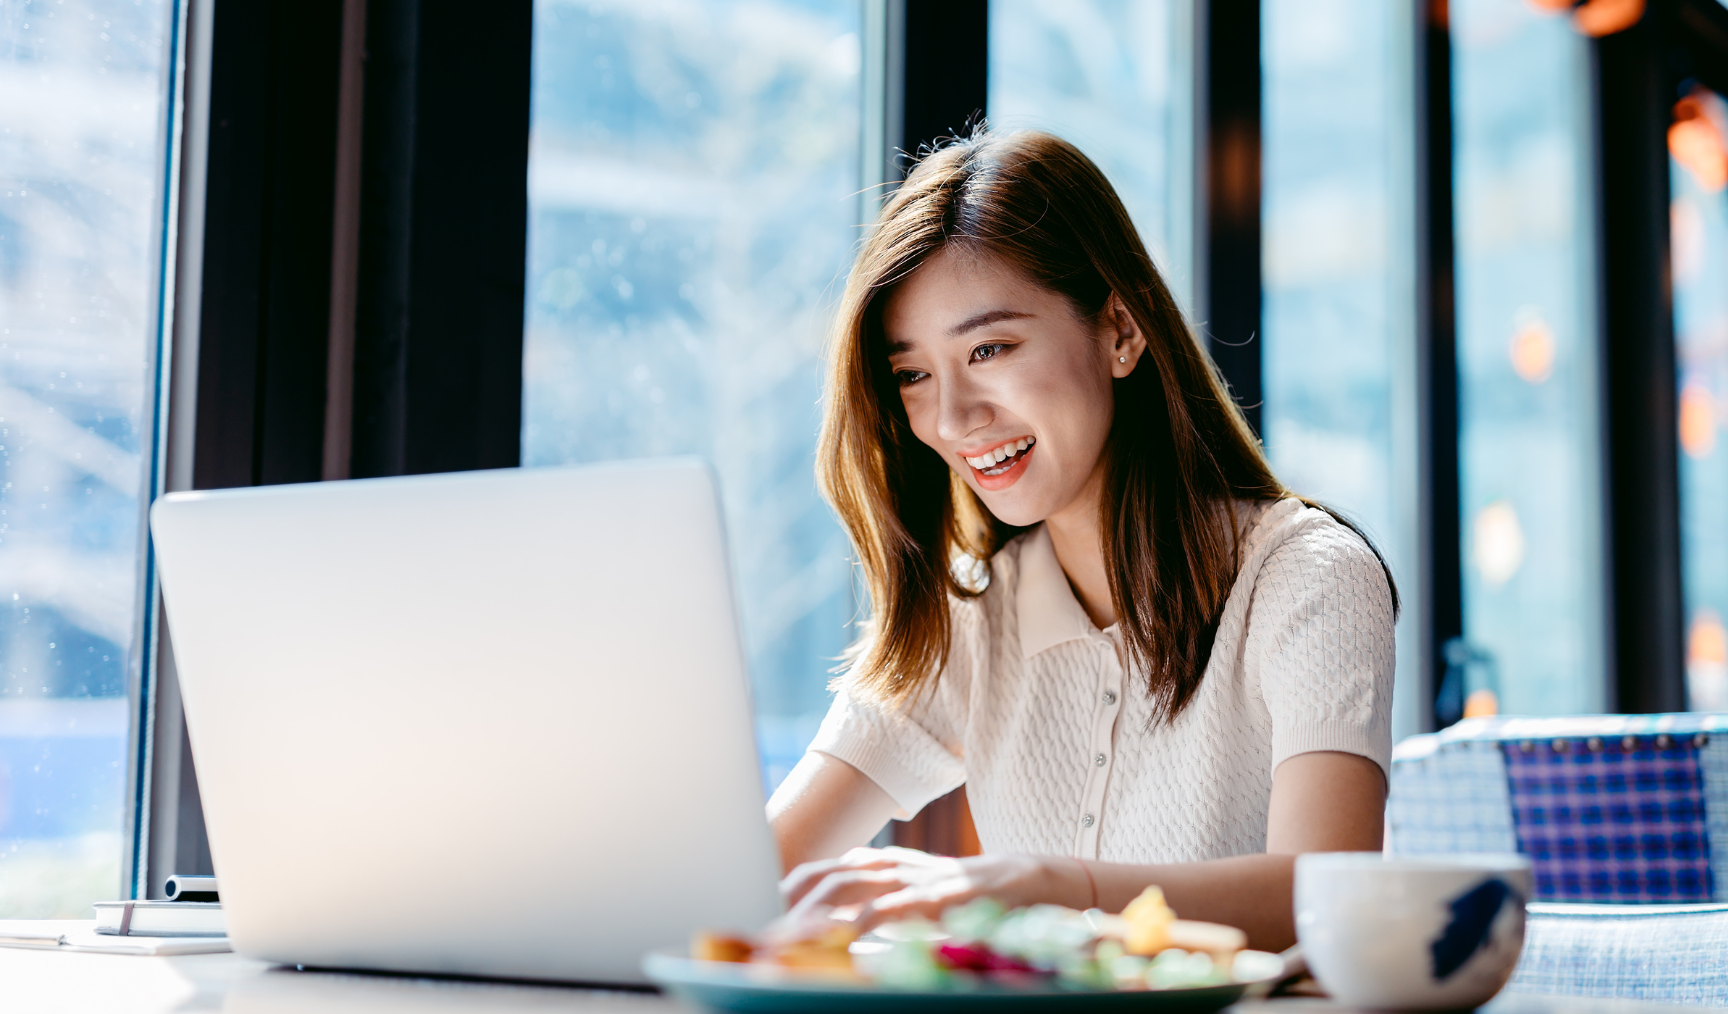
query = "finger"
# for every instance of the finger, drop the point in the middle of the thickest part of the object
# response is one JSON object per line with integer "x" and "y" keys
{"x": 928, "y": 898}
{"x": 850, "y": 887}
{"x": 802, "y": 878}
{"x": 912, "y": 857}
{"x": 915, "y": 858}
{"x": 906, "y": 903}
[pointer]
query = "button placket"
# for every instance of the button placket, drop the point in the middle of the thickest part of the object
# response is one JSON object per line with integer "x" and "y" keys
{"x": 1105, "y": 712}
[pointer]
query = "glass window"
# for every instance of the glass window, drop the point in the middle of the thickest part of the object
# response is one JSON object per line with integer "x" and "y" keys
{"x": 694, "y": 178}
{"x": 1112, "y": 76}
{"x": 81, "y": 170}
{"x": 1698, "y": 170}
{"x": 1529, "y": 418}
{"x": 1336, "y": 221}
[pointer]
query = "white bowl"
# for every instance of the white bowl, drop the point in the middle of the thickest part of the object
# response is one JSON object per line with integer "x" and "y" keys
{"x": 1411, "y": 933}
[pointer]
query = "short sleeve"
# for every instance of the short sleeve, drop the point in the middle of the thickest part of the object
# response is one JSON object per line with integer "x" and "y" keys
{"x": 1322, "y": 637}
{"x": 895, "y": 750}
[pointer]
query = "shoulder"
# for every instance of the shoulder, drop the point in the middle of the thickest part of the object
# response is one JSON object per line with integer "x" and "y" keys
{"x": 1307, "y": 552}
{"x": 1290, "y": 530}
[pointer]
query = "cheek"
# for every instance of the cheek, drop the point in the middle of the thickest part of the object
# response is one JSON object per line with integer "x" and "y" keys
{"x": 1092, "y": 394}
{"x": 920, "y": 414}
{"x": 1069, "y": 402}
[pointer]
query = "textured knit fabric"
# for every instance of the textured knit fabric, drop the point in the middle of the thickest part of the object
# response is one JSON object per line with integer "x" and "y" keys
{"x": 1453, "y": 798}
{"x": 1057, "y": 746}
{"x": 1668, "y": 953}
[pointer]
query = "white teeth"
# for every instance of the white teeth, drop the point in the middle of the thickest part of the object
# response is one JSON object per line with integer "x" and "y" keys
{"x": 983, "y": 462}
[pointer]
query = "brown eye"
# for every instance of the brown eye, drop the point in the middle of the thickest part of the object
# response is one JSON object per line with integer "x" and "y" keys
{"x": 909, "y": 377}
{"x": 984, "y": 352}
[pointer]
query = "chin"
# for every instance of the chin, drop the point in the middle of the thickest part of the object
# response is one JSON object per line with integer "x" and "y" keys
{"x": 1013, "y": 510}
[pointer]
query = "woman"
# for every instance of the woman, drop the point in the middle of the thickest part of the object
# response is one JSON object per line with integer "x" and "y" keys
{"x": 1094, "y": 604}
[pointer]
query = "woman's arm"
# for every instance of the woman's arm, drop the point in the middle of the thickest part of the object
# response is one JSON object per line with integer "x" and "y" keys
{"x": 823, "y": 808}
{"x": 1321, "y": 802}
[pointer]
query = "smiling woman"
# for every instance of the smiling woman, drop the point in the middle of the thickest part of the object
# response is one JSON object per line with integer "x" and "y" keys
{"x": 1093, "y": 602}
{"x": 1030, "y": 340}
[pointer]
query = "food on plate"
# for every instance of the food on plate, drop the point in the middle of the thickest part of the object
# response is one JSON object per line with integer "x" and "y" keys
{"x": 1207, "y": 938}
{"x": 706, "y": 946}
{"x": 1146, "y": 947}
{"x": 1148, "y": 921}
{"x": 817, "y": 944}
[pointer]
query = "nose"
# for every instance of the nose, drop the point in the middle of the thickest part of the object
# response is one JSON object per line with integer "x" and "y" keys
{"x": 961, "y": 408}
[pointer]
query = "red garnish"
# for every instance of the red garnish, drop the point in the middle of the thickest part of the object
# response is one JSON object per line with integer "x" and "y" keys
{"x": 978, "y": 958}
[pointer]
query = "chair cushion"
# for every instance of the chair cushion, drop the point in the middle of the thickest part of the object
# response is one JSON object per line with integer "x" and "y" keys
{"x": 1609, "y": 808}
{"x": 1669, "y": 952}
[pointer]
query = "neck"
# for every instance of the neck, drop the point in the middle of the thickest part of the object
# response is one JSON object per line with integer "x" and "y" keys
{"x": 1080, "y": 550}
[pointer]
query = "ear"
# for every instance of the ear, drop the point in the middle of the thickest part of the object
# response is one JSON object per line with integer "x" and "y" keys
{"x": 1124, "y": 338}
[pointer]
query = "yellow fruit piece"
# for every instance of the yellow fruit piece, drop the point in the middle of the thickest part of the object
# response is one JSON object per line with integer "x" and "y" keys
{"x": 1149, "y": 920}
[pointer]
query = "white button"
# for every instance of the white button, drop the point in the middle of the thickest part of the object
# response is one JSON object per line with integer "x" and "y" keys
{"x": 1100, "y": 760}
{"x": 1109, "y": 697}
{"x": 1086, "y": 821}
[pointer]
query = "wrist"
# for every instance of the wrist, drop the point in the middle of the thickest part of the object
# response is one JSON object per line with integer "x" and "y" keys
{"x": 1069, "y": 881}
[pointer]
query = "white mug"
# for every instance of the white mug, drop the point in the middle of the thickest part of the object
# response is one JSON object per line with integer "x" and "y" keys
{"x": 1411, "y": 932}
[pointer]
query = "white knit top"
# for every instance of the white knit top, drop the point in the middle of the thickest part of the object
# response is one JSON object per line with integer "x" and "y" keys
{"x": 1057, "y": 746}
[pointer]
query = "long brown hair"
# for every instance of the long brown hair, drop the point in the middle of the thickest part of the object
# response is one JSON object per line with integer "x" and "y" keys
{"x": 1180, "y": 456}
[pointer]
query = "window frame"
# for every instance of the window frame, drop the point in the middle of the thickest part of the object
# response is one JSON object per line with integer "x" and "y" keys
{"x": 307, "y": 255}
{"x": 394, "y": 384}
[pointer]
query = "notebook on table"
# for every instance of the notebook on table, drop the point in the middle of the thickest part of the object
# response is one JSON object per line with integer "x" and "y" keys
{"x": 81, "y": 935}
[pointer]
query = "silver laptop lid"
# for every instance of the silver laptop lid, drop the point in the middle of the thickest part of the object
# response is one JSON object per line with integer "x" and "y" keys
{"x": 490, "y": 723}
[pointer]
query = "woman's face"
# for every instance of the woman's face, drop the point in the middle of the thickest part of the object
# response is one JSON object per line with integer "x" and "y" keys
{"x": 1002, "y": 378}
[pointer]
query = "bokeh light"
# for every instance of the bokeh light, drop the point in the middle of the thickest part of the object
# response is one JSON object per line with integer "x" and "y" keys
{"x": 1497, "y": 542}
{"x": 1532, "y": 348}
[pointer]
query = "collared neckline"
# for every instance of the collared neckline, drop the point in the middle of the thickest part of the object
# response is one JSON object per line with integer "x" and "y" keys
{"x": 1048, "y": 611}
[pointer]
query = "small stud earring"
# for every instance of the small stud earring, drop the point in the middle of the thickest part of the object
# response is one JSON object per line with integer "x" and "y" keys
{"x": 1121, "y": 359}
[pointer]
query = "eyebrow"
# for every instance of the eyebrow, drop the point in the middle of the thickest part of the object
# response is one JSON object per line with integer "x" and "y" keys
{"x": 985, "y": 319}
{"x": 971, "y": 323}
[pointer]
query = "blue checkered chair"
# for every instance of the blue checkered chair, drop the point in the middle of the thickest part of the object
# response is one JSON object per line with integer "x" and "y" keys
{"x": 1625, "y": 821}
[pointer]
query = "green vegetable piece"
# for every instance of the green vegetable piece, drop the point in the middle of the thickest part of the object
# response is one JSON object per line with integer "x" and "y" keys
{"x": 910, "y": 965}
{"x": 1175, "y": 969}
{"x": 975, "y": 920}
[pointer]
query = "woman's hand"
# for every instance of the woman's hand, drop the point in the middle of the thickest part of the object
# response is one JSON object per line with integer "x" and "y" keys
{"x": 868, "y": 886}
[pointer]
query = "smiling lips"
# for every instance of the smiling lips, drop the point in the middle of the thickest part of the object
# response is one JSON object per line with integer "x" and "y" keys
{"x": 998, "y": 461}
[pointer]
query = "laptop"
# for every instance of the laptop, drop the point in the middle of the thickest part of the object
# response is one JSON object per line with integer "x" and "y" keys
{"x": 485, "y": 723}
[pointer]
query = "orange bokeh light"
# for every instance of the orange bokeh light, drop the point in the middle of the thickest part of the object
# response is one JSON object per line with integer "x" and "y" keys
{"x": 1696, "y": 143}
{"x": 1482, "y": 703}
{"x": 1596, "y": 18}
{"x": 1532, "y": 350}
{"x": 1697, "y": 420}
{"x": 1707, "y": 643}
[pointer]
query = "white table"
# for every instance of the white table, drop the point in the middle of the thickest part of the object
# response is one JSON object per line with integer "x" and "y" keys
{"x": 56, "y": 982}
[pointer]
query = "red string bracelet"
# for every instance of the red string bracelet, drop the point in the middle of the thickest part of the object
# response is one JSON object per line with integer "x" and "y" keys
{"x": 1093, "y": 883}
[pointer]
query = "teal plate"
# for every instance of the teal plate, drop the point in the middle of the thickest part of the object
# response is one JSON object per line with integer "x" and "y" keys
{"x": 758, "y": 989}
